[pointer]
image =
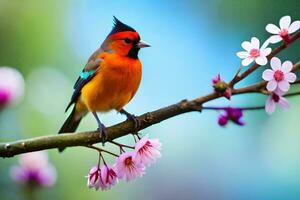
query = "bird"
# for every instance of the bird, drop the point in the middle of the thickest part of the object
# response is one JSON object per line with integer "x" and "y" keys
{"x": 109, "y": 80}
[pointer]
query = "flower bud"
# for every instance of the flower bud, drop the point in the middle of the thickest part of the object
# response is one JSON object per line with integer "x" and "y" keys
{"x": 223, "y": 120}
{"x": 108, "y": 177}
{"x": 94, "y": 178}
{"x": 221, "y": 87}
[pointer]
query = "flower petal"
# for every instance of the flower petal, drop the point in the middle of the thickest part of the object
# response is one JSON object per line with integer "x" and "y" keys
{"x": 247, "y": 45}
{"x": 275, "y": 38}
{"x": 47, "y": 176}
{"x": 290, "y": 77}
{"x": 265, "y": 44}
{"x": 271, "y": 28}
{"x": 247, "y": 61}
{"x": 287, "y": 66}
{"x": 272, "y": 85}
{"x": 285, "y": 22}
{"x": 128, "y": 171}
{"x": 261, "y": 60}
{"x": 266, "y": 51}
{"x": 268, "y": 75}
{"x": 270, "y": 106}
{"x": 275, "y": 63}
{"x": 295, "y": 26}
{"x": 242, "y": 54}
{"x": 284, "y": 85}
{"x": 283, "y": 103}
{"x": 255, "y": 42}
{"x": 279, "y": 92}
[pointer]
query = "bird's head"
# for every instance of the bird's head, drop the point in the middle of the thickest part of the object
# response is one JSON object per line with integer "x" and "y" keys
{"x": 124, "y": 40}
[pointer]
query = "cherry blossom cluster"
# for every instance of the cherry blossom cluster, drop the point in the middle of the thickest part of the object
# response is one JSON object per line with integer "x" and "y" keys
{"x": 278, "y": 78}
{"x": 280, "y": 75}
{"x": 34, "y": 170}
{"x": 11, "y": 86}
{"x": 255, "y": 52}
{"x": 128, "y": 165}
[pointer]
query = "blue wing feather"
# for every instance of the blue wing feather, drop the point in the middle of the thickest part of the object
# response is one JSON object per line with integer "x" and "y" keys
{"x": 84, "y": 78}
{"x": 86, "y": 75}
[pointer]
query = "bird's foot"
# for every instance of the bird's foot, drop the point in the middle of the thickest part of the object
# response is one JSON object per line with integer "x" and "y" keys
{"x": 136, "y": 121}
{"x": 103, "y": 133}
{"x": 132, "y": 117}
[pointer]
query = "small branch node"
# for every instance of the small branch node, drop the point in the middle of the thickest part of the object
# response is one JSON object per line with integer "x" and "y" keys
{"x": 24, "y": 144}
{"x": 149, "y": 117}
{"x": 7, "y": 146}
{"x": 196, "y": 107}
{"x": 183, "y": 103}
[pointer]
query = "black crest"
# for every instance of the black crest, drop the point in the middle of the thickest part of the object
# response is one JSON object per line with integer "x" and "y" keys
{"x": 120, "y": 27}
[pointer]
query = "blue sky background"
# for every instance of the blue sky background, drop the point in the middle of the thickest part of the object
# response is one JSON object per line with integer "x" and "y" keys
{"x": 192, "y": 41}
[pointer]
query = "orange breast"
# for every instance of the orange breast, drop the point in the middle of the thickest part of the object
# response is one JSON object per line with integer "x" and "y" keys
{"x": 114, "y": 84}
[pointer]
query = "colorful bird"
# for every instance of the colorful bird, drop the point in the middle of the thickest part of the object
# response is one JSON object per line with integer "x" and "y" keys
{"x": 109, "y": 80}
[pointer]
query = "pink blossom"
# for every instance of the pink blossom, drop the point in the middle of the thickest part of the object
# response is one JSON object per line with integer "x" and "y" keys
{"x": 5, "y": 97}
{"x": 129, "y": 168}
{"x": 283, "y": 31}
{"x": 280, "y": 76}
{"x": 34, "y": 170}
{"x": 11, "y": 86}
{"x": 276, "y": 98}
{"x": 93, "y": 178}
{"x": 233, "y": 114}
{"x": 254, "y": 52}
{"x": 223, "y": 120}
{"x": 108, "y": 177}
{"x": 147, "y": 150}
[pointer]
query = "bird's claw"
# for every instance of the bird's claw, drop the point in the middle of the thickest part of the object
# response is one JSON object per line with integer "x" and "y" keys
{"x": 136, "y": 121}
{"x": 103, "y": 133}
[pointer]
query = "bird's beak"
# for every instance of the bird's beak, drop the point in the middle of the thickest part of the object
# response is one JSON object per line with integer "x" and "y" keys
{"x": 143, "y": 44}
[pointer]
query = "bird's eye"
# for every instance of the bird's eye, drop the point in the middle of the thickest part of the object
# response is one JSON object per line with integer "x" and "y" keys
{"x": 127, "y": 40}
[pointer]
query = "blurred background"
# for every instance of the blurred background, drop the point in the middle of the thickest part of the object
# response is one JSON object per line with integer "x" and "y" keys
{"x": 50, "y": 41}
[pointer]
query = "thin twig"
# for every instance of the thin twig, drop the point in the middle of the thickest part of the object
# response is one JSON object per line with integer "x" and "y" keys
{"x": 245, "y": 108}
{"x": 121, "y": 145}
{"x": 241, "y": 108}
{"x": 101, "y": 150}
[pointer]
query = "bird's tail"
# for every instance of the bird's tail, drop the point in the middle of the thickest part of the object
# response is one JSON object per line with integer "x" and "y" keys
{"x": 70, "y": 124}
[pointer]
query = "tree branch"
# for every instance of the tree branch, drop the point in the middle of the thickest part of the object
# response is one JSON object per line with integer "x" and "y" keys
{"x": 87, "y": 138}
{"x": 10, "y": 149}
